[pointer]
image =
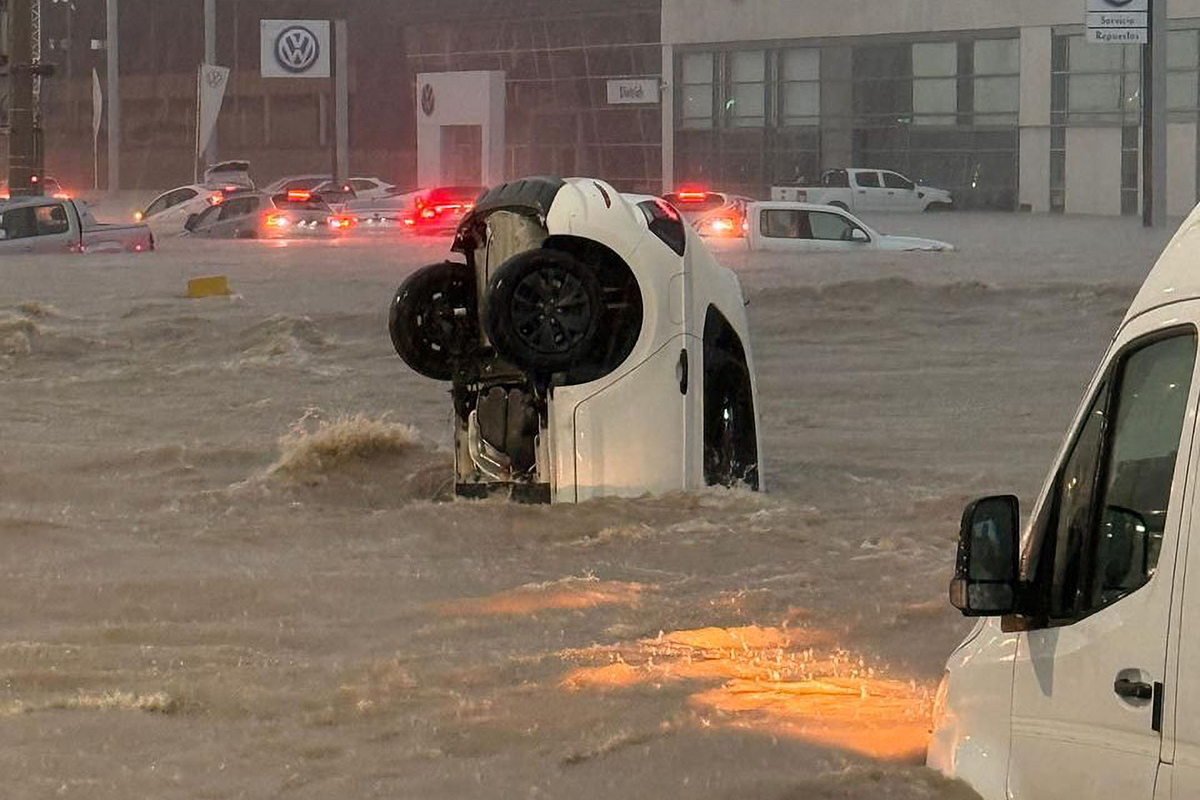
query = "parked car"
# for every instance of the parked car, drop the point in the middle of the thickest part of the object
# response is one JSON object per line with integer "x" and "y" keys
{"x": 861, "y": 190}
{"x": 1082, "y": 677}
{"x": 335, "y": 194}
{"x": 578, "y": 366}
{"x": 439, "y": 210}
{"x": 52, "y": 225}
{"x": 809, "y": 228}
{"x": 258, "y": 215}
{"x": 370, "y": 188}
{"x": 394, "y": 207}
{"x": 167, "y": 213}
{"x": 290, "y": 182}
{"x": 229, "y": 176}
{"x": 713, "y": 214}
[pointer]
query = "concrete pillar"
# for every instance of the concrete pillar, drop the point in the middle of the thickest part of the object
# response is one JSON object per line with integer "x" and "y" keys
{"x": 837, "y": 108}
{"x": 1036, "y": 47}
{"x": 668, "y": 118}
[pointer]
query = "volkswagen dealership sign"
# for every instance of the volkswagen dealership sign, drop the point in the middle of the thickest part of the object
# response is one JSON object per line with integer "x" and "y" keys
{"x": 1117, "y": 21}
{"x": 294, "y": 48}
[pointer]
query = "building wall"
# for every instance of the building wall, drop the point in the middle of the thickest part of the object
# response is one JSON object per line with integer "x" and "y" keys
{"x": 893, "y": 96}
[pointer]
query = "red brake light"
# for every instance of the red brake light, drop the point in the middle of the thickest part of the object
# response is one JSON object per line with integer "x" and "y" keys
{"x": 692, "y": 195}
{"x": 299, "y": 195}
{"x": 428, "y": 213}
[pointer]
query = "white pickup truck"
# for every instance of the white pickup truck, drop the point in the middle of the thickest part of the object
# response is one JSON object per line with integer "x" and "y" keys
{"x": 867, "y": 190}
{"x": 55, "y": 225}
{"x": 786, "y": 226}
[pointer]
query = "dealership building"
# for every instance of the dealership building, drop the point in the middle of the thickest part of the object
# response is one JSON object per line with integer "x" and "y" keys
{"x": 1003, "y": 102}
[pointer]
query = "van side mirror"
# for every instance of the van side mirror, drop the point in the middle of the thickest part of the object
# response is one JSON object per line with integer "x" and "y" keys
{"x": 986, "y": 570}
{"x": 860, "y": 236}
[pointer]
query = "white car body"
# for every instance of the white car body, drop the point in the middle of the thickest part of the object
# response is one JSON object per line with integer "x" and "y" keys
{"x": 167, "y": 213}
{"x": 857, "y": 189}
{"x": 1089, "y": 686}
{"x": 62, "y": 225}
{"x": 809, "y": 228}
{"x": 370, "y": 188}
{"x": 635, "y": 423}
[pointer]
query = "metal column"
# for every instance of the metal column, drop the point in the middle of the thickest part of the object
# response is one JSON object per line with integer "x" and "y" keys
{"x": 112, "y": 49}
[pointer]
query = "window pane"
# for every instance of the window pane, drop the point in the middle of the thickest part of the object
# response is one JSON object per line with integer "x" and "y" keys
{"x": 1150, "y": 409}
{"x": 802, "y": 101}
{"x": 801, "y": 64}
{"x": 893, "y": 181}
{"x": 746, "y": 66}
{"x": 698, "y": 68}
{"x": 698, "y": 105}
{"x": 998, "y": 57}
{"x": 1086, "y": 57}
{"x": 1094, "y": 93}
{"x": 1183, "y": 50}
{"x": 1182, "y": 90}
{"x": 18, "y": 223}
{"x": 779, "y": 223}
{"x": 829, "y": 227}
{"x": 1075, "y": 490}
{"x": 935, "y": 59}
{"x": 997, "y": 95}
{"x": 867, "y": 179}
{"x": 935, "y": 96}
{"x": 749, "y": 104}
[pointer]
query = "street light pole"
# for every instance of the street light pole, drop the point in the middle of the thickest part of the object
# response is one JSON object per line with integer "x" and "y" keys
{"x": 1154, "y": 118}
{"x": 22, "y": 138}
{"x": 210, "y": 57}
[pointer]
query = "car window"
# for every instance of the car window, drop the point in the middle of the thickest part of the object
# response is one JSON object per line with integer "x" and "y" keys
{"x": 19, "y": 223}
{"x": 869, "y": 180}
{"x": 206, "y": 217}
{"x": 51, "y": 220}
{"x": 893, "y": 181}
{"x": 830, "y": 227}
{"x": 784, "y": 223}
{"x": 159, "y": 205}
{"x": 1101, "y": 539}
{"x": 180, "y": 196}
{"x": 360, "y": 185}
{"x": 237, "y": 207}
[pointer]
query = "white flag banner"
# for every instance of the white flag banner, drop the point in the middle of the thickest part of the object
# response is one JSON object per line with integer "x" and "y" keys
{"x": 97, "y": 105}
{"x": 212, "y": 81}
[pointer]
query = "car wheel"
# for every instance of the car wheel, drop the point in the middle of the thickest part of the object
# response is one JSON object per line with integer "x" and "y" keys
{"x": 730, "y": 444}
{"x": 433, "y": 322}
{"x": 543, "y": 310}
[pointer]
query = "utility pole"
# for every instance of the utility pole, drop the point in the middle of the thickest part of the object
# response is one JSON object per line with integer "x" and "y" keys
{"x": 114, "y": 99}
{"x": 23, "y": 171}
{"x": 1154, "y": 118}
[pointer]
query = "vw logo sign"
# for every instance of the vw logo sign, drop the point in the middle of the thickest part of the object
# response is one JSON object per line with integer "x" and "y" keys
{"x": 214, "y": 78}
{"x": 428, "y": 101}
{"x": 297, "y": 49}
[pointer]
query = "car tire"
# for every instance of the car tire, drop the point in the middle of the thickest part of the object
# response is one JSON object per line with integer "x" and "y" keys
{"x": 433, "y": 321}
{"x": 730, "y": 443}
{"x": 543, "y": 310}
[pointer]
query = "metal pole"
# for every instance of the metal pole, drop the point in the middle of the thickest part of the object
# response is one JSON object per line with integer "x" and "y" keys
{"x": 1154, "y": 118}
{"x": 341, "y": 101}
{"x": 210, "y": 57}
{"x": 112, "y": 49}
{"x": 22, "y": 140}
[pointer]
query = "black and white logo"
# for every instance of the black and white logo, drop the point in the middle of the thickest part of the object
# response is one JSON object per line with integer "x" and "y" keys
{"x": 297, "y": 49}
{"x": 428, "y": 101}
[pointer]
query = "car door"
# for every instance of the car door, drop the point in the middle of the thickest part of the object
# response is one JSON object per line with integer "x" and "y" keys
{"x": 236, "y": 217}
{"x": 869, "y": 194}
{"x": 901, "y": 193}
{"x": 831, "y": 231}
{"x": 1100, "y": 559}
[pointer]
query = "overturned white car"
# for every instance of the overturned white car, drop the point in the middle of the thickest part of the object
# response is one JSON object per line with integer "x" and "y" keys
{"x": 594, "y": 345}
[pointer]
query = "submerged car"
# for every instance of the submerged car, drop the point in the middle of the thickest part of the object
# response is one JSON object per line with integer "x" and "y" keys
{"x": 258, "y": 215}
{"x": 593, "y": 345}
{"x": 439, "y": 210}
{"x": 713, "y": 214}
{"x": 810, "y": 228}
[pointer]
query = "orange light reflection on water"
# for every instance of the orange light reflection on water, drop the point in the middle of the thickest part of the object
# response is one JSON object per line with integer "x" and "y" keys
{"x": 568, "y": 594}
{"x": 784, "y": 682}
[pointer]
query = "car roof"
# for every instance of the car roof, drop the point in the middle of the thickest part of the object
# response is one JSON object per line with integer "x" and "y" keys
{"x": 1174, "y": 277}
{"x": 28, "y": 200}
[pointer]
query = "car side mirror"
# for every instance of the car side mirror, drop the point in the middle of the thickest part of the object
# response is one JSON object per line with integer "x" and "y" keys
{"x": 860, "y": 236}
{"x": 986, "y": 570}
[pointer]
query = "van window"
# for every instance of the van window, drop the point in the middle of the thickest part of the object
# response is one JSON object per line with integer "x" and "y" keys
{"x": 1101, "y": 537}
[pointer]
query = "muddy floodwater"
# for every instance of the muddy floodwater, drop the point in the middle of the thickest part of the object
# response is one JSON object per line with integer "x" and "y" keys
{"x": 229, "y": 567}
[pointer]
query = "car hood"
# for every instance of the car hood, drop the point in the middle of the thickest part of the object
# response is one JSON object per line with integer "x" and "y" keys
{"x": 911, "y": 243}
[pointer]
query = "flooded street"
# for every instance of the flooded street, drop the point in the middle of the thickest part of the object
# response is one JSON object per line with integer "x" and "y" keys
{"x": 231, "y": 567}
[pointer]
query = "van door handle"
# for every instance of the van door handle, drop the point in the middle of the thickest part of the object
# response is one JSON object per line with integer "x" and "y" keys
{"x": 1134, "y": 690}
{"x": 681, "y": 372}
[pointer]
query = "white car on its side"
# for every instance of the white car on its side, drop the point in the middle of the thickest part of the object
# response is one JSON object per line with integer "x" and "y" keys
{"x": 168, "y": 212}
{"x": 809, "y": 228}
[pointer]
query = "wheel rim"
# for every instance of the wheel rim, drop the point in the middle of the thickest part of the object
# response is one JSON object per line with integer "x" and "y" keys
{"x": 438, "y": 325}
{"x": 551, "y": 310}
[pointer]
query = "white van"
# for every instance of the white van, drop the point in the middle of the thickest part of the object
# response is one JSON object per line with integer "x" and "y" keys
{"x": 1081, "y": 681}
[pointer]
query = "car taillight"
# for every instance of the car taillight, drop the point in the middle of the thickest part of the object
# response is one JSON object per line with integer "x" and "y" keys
{"x": 342, "y": 222}
{"x": 428, "y": 213}
{"x": 722, "y": 226}
{"x": 299, "y": 195}
{"x": 276, "y": 221}
{"x": 216, "y": 198}
{"x": 692, "y": 196}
